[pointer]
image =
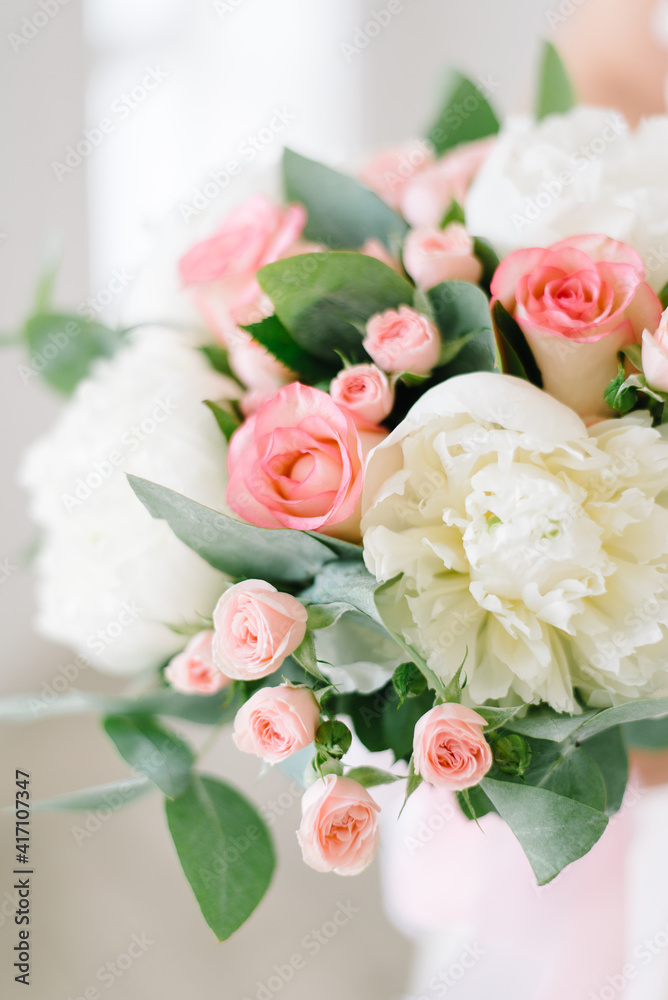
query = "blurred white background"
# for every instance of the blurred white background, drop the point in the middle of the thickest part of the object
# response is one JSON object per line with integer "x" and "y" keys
{"x": 185, "y": 85}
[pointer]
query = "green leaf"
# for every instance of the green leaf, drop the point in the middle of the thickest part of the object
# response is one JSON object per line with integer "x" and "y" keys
{"x": 488, "y": 257}
{"x": 454, "y": 213}
{"x": 333, "y": 737}
{"x": 386, "y": 597}
{"x": 474, "y": 803}
{"x": 512, "y": 753}
{"x": 514, "y": 355}
{"x": 496, "y": 717}
{"x": 63, "y": 347}
{"x": 663, "y": 298}
{"x": 576, "y": 776}
{"x": 413, "y": 783}
{"x": 634, "y": 711}
{"x": 380, "y": 722}
{"x": 342, "y": 213}
{"x": 225, "y": 850}
{"x": 219, "y": 360}
{"x": 279, "y": 342}
{"x": 544, "y": 723}
{"x": 555, "y": 95}
{"x": 227, "y": 422}
{"x": 618, "y": 395}
{"x": 461, "y": 312}
{"x": 650, "y": 734}
{"x": 371, "y": 776}
{"x": 609, "y": 751}
{"x": 305, "y": 656}
{"x": 154, "y": 751}
{"x": 205, "y": 709}
{"x": 325, "y": 300}
{"x": 279, "y": 555}
{"x": 340, "y": 587}
{"x": 554, "y": 831}
{"x": 114, "y": 795}
{"x": 465, "y": 116}
{"x": 408, "y": 681}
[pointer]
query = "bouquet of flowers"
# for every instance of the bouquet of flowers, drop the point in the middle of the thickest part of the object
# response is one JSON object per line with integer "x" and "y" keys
{"x": 382, "y": 483}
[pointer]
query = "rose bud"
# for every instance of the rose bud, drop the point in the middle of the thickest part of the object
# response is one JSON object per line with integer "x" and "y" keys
{"x": 256, "y": 627}
{"x": 339, "y": 829}
{"x": 193, "y": 671}
{"x": 365, "y": 391}
{"x": 402, "y": 340}
{"x": 276, "y": 722}
{"x": 434, "y": 255}
{"x": 449, "y": 747}
{"x": 655, "y": 356}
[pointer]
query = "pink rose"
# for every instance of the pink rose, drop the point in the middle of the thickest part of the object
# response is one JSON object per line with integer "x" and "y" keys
{"x": 298, "y": 463}
{"x": 388, "y": 172}
{"x": 365, "y": 391}
{"x": 655, "y": 356}
{"x": 449, "y": 748}
{"x": 193, "y": 671}
{"x": 222, "y": 268}
{"x": 256, "y": 627}
{"x": 402, "y": 340}
{"x": 426, "y": 197}
{"x": 578, "y": 303}
{"x": 276, "y": 722}
{"x": 434, "y": 255}
{"x": 339, "y": 828}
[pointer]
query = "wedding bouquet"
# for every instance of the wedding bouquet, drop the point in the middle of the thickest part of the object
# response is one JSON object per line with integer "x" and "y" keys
{"x": 387, "y": 484}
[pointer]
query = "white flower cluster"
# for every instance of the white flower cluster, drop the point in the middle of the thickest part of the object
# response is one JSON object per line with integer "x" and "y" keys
{"x": 109, "y": 576}
{"x": 533, "y": 547}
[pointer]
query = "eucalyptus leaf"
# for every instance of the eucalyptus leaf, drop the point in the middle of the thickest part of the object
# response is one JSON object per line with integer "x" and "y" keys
{"x": 64, "y": 347}
{"x": 325, "y": 300}
{"x": 544, "y": 723}
{"x": 114, "y": 795}
{"x": 609, "y": 751}
{"x": 279, "y": 555}
{"x": 343, "y": 586}
{"x": 226, "y": 421}
{"x": 514, "y": 355}
{"x": 633, "y": 711}
{"x": 305, "y": 656}
{"x": 225, "y": 850}
{"x": 555, "y": 93}
{"x": 341, "y": 212}
{"x": 271, "y": 333}
{"x": 154, "y": 751}
{"x": 371, "y": 776}
{"x": 465, "y": 116}
{"x": 553, "y": 831}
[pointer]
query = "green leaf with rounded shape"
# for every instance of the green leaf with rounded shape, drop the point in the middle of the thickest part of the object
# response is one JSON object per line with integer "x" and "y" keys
{"x": 461, "y": 313}
{"x": 543, "y": 723}
{"x": 577, "y": 776}
{"x": 555, "y": 94}
{"x": 342, "y": 213}
{"x": 205, "y": 709}
{"x": 343, "y": 586}
{"x": 372, "y": 776}
{"x": 114, "y": 795}
{"x": 73, "y": 345}
{"x": 280, "y": 343}
{"x": 633, "y": 711}
{"x": 219, "y": 360}
{"x": 513, "y": 354}
{"x": 157, "y": 753}
{"x": 225, "y": 850}
{"x": 279, "y": 555}
{"x": 408, "y": 681}
{"x": 488, "y": 257}
{"x": 553, "y": 831}
{"x": 325, "y": 300}
{"x": 465, "y": 116}
{"x": 333, "y": 737}
{"x": 649, "y": 734}
{"x": 474, "y": 803}
{"x": 497, "y": 717}
{"x": 609, "y": 751}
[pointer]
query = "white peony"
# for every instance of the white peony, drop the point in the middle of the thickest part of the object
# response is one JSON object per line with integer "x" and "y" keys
{"x": 109, "y": 576}
{"x": 537, "y": 545}
{"x": 582, "y": 172}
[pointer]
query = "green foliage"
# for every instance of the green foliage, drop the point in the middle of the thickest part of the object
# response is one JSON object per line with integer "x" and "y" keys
{"x": 465, "y": 115}
{"x": 513, "y": 354}
{"x": 153, "y": 750}
{"x": 555, "y": 93}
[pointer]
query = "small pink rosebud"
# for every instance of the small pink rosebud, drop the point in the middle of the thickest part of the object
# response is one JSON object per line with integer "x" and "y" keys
{"x": 193, "y": 671}
{"x": 434, "y": 255}
{"x": 449, "y": 747}
{"x": 256, "y": 627}
{"x": 339, "y": 829}
{"x": 402, "y": 340}
{"x": 276, "y": 722}
{"x": 365, "y": 391}
{"x": 655, "y": 356}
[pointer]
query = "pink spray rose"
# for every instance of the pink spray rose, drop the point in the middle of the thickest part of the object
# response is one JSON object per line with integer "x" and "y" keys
{"x": 449, "y": 747}
{"x": 434, "y": 255}
{"x": 655, "y": 356}
{"x": 256, "y": 627}
{"x": 276, "y": 722}
{"x": 578, "y": 303}
{"x": 365, "y": 391}
{"x": 339, "y": 828}
{"x": 298, "y": 463}
{"x": 427, "y": 195}
{"x": 402, "y": 340}
{"x": 389, "y": 171}
{"x": 193, "y": 671}
{"x": 222, "y": 268}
